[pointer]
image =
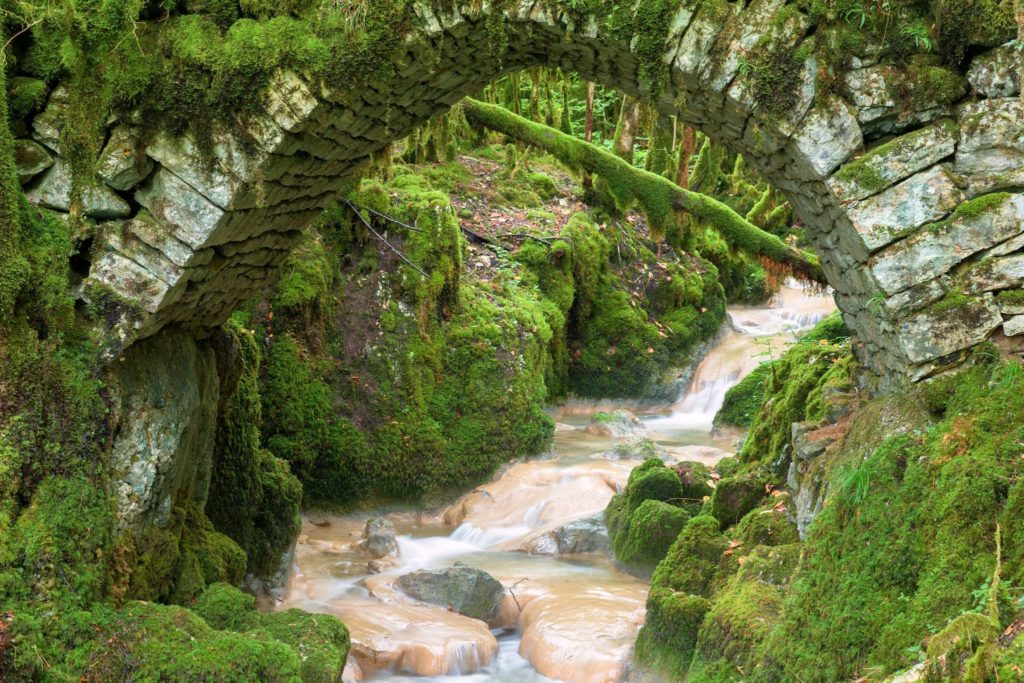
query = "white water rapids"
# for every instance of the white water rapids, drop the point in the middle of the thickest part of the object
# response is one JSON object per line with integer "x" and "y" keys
{"x": 565, "y": 618}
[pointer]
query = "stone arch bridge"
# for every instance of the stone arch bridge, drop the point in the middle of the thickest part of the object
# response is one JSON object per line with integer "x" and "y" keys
{"x": 922, "y": 237}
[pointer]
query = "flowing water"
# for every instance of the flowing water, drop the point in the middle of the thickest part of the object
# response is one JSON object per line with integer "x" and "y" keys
{"x": 565, "y": 617}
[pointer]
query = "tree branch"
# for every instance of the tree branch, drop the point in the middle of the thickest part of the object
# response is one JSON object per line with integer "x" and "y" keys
{"x": 658, "y": 196}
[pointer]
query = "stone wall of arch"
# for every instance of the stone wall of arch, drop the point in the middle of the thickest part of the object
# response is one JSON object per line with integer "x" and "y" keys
{"x": 913, "y": 199}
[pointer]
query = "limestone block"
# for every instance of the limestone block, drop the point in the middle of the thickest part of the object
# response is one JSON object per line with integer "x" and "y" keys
{"x": 122, "y": 163}
{"x": 290, "y": 101}
{"x": 995, "y": 73}
{"x": 998, "y": 273}
{"x": 696, "y": 44}
{"x": 888, "y": 98}
{"x": 146, "y": 228}
{"x": 916, "y": 297}
{"x": 54, "y": 192}
{"x": 1014, "y": 326}
{"x": 129, "y": 280}
{"x": 991, "y": 152}
{"x": 934, "y": 251}
{"x": 753, "y": 24}
{"x": 165, "y": 395}
{"x": 932, "y": 334}
{"x": 923, "y": 198}
{"x": 898, "y": 159}
{"x": 218, "y": 181}
{"x": 118, "y": 238}
{"x": 188, "y": 215}
{"x": 31, "y": 159}
{"x": 829, "y": 136}
{"x": 47, "y": 126}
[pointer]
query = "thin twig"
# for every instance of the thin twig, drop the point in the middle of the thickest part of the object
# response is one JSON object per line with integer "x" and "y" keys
{"x": 386, "y": 243}
{"x": 513, "y": 593}
{"x": 386, "y": 217}
{"x": 15, "y": 36}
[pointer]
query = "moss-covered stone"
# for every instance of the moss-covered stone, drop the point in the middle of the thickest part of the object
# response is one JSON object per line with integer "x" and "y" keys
{"x": 744, "y": 400}
{"x": 734, "y": 497}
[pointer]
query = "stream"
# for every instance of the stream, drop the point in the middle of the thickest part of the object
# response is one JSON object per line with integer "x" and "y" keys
{"x": 565, "y": 617}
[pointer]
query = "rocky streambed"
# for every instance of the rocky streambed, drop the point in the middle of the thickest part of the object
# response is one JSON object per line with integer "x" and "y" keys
{"x": 514, "y": 582}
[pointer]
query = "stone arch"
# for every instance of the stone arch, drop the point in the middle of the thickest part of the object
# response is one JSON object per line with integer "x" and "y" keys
{"x": 915, "y": 235}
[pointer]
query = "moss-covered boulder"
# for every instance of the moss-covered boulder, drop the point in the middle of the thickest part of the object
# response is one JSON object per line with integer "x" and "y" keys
{"x": 652, "y": 529}
{"x": 644, "y": 519}
{"x": 744, "y": 400}
{"x": 735, "y": 496}
{"x": 695, "y": 478}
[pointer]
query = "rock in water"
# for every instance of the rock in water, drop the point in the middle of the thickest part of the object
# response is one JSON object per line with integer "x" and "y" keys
{"x": 468, "y": 591}
{"x": 618, "y": 423}
{"x": 583, "y": 535}
{"x": 379, "y": 538}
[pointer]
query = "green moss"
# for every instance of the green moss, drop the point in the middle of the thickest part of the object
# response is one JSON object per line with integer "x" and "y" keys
{"x": 676, "y": 604}
{"x": 659, "y": 197}
{"x": 653, "y": 527}
{"x": 744, "y": 400}
{"x": 796, "y": 391}
{"x": 254, "y": 498}
{"x": 734, "y": 497}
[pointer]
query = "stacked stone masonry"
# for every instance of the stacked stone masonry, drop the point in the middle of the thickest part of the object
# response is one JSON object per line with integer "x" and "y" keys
{"x": 915, "y": 207}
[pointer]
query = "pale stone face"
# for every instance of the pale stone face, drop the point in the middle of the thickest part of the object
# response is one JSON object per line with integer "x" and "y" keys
{"x": 881, "y": 216}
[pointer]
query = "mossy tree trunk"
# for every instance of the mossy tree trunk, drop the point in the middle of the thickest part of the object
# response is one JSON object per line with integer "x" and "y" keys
{"x": 659, "y": 197}
{"x": 627, "y": 129}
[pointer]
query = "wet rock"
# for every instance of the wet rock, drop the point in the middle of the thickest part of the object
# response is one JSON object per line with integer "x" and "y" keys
{"x": 468, "y": 591}
{"x": 618, "y": 423}
{"x": 379, "y": 538}
{"x": 640, "y": 448}
{"x": 122, "y": 163}
{"x": 584, "y": 535}
{"x": 54, "y": 192}
{"x": 995, "y": 73}
{"x": 31, "y": 158}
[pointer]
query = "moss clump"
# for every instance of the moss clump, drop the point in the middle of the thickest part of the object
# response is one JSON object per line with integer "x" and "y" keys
{"x": 734, "y": 497}
{"x": 677, "y": 602}
{"x": 800, "y": 386}
{"x": 254, "y": 498}
{"x": 744, "y": 400}
{"x": 653, "y": 527}
{"x": 176, "y": 561}
{"x": 646, "y": 517}
{"x": 695, "y": 478}
{"x": 321, "y": 640}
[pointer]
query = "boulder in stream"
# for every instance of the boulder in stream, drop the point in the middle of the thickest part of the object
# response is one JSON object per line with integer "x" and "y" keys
{"x": 617, "y": 423}
{"x": 583, "y": 535}
{"x": 466, "y": 590}
{"x": 379, "y": 538}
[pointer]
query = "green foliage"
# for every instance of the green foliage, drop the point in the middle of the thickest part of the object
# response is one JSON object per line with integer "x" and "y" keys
{"x": 796, "y": 389}
{"x": 744, "y": 400}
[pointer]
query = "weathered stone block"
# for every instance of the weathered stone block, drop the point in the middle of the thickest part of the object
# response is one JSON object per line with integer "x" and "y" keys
{"x": 937, "y": 332}
{"x": 123, "y": 164}
{"x": 995, "y": 73}
{"x": 31, "y": 159}
{"x": 898, "y": 159}
{"x": 1014, "y": 326}
{"x": 189, "y": 216}
{"x": 991, "y": 152}
{"x": 829, "y": 136}
{"x": 923, "y": 198}
{"x": 54, "y": 192}
{"x": 46, "y": 127}
{"x": 934, "y": 250}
